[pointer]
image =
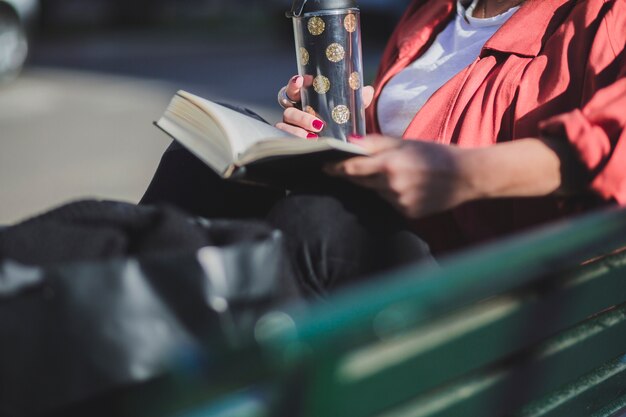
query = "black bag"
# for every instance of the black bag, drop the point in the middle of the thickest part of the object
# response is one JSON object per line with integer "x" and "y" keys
{"x": 71, "y": 331}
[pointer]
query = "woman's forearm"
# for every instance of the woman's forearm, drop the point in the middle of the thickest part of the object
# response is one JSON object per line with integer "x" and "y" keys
{"x": 523, "y": 168}
{"x": 420, "y": 178}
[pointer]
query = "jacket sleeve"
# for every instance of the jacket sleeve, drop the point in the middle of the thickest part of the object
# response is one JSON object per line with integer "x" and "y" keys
{"x": 597, "y": 130}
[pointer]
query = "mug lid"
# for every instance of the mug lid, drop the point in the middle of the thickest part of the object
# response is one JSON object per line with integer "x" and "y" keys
{"x": 310, "y": 6}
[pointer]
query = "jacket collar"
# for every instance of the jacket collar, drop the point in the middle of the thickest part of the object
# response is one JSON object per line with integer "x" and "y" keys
{"x": 421, "y": 22}
{"x": 524, "y": 33}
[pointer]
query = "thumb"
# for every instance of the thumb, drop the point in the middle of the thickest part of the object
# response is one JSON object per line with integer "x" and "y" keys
{"x": 294, "y": 87}
{"x": 377, "y": 143}
{"x": 368, "y": 95}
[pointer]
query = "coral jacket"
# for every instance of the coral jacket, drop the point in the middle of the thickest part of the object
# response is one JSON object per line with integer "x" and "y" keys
{"x": 556, "y": 69}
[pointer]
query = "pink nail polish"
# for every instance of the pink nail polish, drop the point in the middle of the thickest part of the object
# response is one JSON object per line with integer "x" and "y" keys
{"x": 355, "y": 137}
{"x": 312, "y": 136}
{"x": 318, "y": 125}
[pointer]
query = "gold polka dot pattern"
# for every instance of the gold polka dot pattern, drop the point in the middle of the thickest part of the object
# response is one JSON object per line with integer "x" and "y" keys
{"x": 355, "y": 81}
{"x": 321, "y": 84}
{"x": 341, "y": 114}
{"x": 335, "y": 52}
{"x": 350, "y": 23}
{"x": 316, "y": 26}
{"x": 304, "y": 56}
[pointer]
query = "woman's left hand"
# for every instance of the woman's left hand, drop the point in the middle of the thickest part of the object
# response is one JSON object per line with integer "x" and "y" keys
{"x": 417, "y": 178}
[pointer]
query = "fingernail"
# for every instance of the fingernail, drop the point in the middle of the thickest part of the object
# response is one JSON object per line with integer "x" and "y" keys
{"x": 312, "y": 136}
{"x": 295, "y": 79}
{"x": 355, "y": 138}
{"x": 318, "y": 125}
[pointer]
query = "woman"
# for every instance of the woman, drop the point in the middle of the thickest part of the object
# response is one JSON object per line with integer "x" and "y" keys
{"x": 548, "y": 88}
{"x": 515, "y": 114}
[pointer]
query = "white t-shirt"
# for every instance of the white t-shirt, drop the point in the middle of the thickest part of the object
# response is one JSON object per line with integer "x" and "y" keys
{"x": 453, "y": 50}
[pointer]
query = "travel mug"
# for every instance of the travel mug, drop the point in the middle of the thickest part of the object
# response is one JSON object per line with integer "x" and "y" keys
{"x": 328, "y": 47}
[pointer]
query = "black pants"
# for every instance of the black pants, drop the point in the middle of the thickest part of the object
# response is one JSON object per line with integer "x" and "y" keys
{"x": 336, "y": 233}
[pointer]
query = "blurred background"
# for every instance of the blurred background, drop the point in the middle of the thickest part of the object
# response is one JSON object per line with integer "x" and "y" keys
{"x": 81, "y": 82}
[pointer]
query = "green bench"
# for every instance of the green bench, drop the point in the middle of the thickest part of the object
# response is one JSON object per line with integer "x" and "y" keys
{"x": 534, "y": 326}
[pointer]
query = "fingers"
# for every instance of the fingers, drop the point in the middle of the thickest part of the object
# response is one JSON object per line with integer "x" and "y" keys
{"x": 294, "y": 87}
{"x": 296, "y": 131}
{"x": 306, "y": 121}
{"x": 296, "y": 121}
{"x": 358, "y": 167}
{"x": 361, "y": 167}
{"x": 368, "y": 95}
{"x": 377, "y": 143}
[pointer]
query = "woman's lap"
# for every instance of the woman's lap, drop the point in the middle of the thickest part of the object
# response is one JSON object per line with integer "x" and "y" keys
{"x": 183, "y": 180}
{"x": 335, "y": 233}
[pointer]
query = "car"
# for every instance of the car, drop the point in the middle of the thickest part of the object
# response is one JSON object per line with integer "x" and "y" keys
{"x": 16, "y": 17}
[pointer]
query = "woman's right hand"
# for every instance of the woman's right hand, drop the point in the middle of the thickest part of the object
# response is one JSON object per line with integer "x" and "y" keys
{"x": 301, "y": 123}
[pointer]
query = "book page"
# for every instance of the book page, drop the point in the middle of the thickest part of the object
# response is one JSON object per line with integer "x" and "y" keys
{"x": 210, "y": 152}
{"x": 199, "y": 132}
{"x": 242, "y": 131}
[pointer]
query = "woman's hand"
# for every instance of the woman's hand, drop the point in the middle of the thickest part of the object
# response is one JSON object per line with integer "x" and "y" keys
{"x": 301, "y": 123}
{"x": 417, "y": 178}
{"x": 421, "y": 178}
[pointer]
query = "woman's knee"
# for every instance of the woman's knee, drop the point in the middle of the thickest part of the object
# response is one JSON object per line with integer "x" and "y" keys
{"x": 333, "y": 241}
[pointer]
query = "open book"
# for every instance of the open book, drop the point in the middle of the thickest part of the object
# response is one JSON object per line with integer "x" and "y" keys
{"x": 240, "y": 147}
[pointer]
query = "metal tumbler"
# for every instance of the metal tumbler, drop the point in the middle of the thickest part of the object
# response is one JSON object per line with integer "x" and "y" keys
{"x": 328, "y": 47}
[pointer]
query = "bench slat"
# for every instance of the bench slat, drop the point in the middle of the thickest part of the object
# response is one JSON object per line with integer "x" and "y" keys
{"x": 495, "y": 391}
{"x": 603, "y": 386}
{"x": 489, "y": 331}
{"x": 615, "y": 409}
{"x": 244, "y": 404}
{"x": 387, "y": 372}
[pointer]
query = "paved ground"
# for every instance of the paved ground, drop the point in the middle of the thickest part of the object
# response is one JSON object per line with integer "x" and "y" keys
{"x": 67, "y": 135}
{"x": 78, "y": 122}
